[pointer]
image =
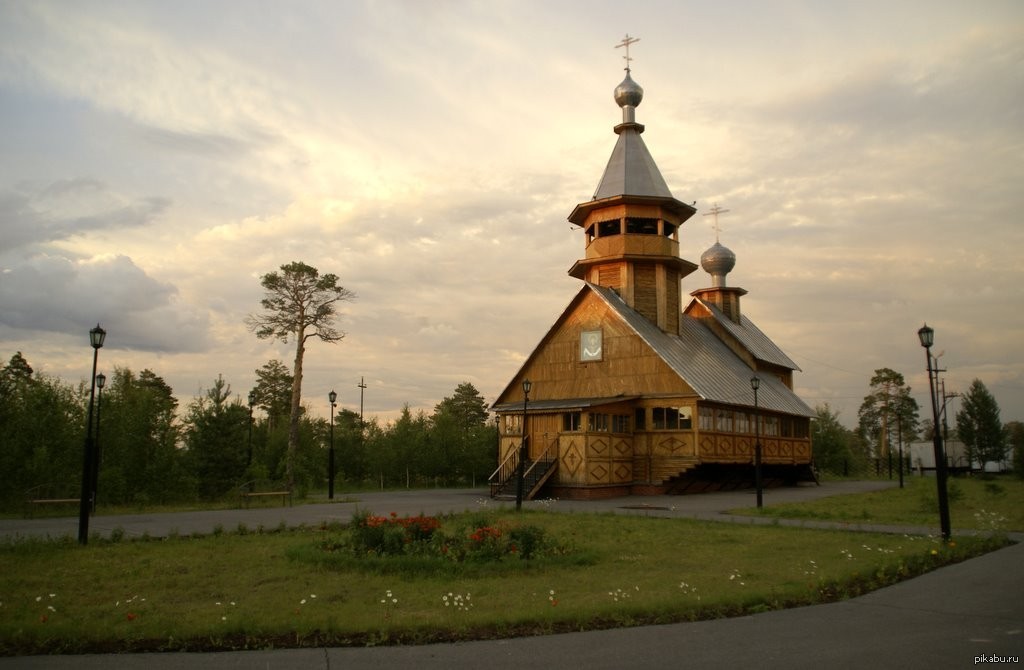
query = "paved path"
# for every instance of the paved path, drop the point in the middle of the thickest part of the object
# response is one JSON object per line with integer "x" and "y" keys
{"x": 946, "y": 619}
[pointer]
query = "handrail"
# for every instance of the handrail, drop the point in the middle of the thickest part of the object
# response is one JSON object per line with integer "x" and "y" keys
{"x": 545, "y": 458}
{"x": 506, "y": 466}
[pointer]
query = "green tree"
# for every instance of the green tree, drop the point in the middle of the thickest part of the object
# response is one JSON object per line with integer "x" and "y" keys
{"x": 835, "y": 445}
{"x": 979, "y": 426}
{"x": 273, "y": 391}
{"x": 216, "y": 432}
{"x": 42, "y": 424}
{"x": 299, "y": 304}
{"x": 888, "y": 408}
{"x": 1015, "y": 441}
{"x": 464, "y": 445}
{"x": 138, "y": 438}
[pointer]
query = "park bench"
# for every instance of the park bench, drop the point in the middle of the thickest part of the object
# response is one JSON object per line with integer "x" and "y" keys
{"x": 257, "y": 490}
{"x": 47, "y": 495}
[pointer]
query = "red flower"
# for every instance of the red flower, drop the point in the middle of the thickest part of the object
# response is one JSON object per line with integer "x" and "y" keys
{"x": 131, "y": 616}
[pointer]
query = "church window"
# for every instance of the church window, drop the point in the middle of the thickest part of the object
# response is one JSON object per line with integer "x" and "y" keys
{"x": 743, "y": 423}
{"x": 620, "y": 423}
{"x": 608, "y": 228}
{"x": 723, "y": 421}
{"x": 597, "y": 423}
{"x": 571, "y": 422}
{"x": 707, "y": 418}
{"x": 670, "y": 229}
{"x": 513, "y": 424}
{"x": 639, "y": 226}
{"x": 672, "y": 418}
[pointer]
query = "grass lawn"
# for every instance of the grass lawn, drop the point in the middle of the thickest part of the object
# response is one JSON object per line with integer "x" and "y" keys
{"x": 975, "y": 503}
{"x": 282, "y": 589}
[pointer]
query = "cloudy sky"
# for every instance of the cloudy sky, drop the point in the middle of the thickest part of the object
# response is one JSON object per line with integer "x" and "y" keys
{"x": 157, "y": 158}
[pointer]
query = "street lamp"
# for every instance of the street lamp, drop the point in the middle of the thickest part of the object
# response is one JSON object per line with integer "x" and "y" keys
{"x": 252, "y": 405}
{"x": 101, "y": 381}
{"x": 755, "y": 383}
{"x": 899, "y": 437}
{"x": 927, "y": 337}
{"x": 523, "y": 451}
{"x": 332, "y": 396}
{"x": 96, "y": 337}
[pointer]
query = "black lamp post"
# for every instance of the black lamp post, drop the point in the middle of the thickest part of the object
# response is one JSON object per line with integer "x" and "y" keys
{"x": 101, "y": 381}
{"x": 755, "y": 383}
{"x": 96, "y": 337}
{"x": 332, "y": 396}
{"x": 252, "y": 405}
{"x": 927, "y": 337}
{"x": 523, "y": 451}
{"x": 899, "y": 438}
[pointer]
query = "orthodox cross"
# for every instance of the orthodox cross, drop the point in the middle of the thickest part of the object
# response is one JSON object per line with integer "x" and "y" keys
{"x": 626, "y": 41}
{"x": 715, "y": 211}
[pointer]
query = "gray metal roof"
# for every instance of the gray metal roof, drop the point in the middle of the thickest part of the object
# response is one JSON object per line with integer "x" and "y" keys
{"x": 631, "y": 169}
{"x": 751, "y": 337}
{"x": 705, "y": 363}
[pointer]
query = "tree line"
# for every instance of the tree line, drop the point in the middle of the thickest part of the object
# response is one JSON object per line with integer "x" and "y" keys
{"x": 889, "y": 416}
{"x": 152, "y": 453}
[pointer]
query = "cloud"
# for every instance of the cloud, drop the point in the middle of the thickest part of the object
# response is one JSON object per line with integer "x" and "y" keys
{"x": 53, "y": 294}
{"x": 69, "y": 208}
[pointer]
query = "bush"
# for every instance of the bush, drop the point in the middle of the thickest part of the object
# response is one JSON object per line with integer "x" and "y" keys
{"x": 476, "y": 538}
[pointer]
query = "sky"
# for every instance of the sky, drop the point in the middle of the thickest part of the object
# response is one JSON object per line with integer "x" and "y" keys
{"x": 156, "y": 159}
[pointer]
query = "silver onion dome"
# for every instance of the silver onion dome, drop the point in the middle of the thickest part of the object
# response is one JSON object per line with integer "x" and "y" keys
{"x": 628, "y": 93}
{"x": 718, "y": 261}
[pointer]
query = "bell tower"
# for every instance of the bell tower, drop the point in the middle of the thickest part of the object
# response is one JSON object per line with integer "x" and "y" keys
{"x": 631, "y": 225}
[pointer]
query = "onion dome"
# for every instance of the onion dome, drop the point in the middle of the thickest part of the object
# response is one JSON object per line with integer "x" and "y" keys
{"x": 718, "y": 261}
{"x": 628, "y": 93}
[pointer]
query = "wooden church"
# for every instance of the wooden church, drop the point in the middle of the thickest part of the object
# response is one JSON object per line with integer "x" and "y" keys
{"x": 629, "y": 392}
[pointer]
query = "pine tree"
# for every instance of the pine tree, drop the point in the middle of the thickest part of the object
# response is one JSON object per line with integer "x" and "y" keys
{"x": 300, "y": 304}
{"x": 979, "y": 426}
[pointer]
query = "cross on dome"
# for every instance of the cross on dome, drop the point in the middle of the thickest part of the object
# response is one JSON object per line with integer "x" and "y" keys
{"x": 715, "y": 211}
{"x": 626, "y": 41}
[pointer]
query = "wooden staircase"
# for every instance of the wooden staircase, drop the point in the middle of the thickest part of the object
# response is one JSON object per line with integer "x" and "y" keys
{"x": 664, "y": 470}
{"x": 505, "y": 480}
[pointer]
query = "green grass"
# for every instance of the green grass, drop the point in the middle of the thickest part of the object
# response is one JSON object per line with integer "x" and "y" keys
{"x": 975, "y": 503}
{"x": 278, "y": 589}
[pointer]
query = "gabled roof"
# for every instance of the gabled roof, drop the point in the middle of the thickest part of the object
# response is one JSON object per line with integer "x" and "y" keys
{"x": 749, "y": 336}
{"x": 700, "y": 359}
{"x": 705, "y": 363}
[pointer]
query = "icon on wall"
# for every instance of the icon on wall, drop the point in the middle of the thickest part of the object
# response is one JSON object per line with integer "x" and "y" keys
{"x": 591, "y": 346}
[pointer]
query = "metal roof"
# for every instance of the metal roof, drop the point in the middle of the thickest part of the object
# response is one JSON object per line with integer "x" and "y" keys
{"x": 631, "y": 169}
{"x": 751, "y": 337}
{"x": 704, "y": 362}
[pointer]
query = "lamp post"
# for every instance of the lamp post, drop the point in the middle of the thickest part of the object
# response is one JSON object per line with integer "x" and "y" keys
{"x": 523, "y": 451}
{"x": 252, "y": 404}
{"x": 899, "y": 438}
{"x": 362, "y": 387}
{"x": 332, "y": 396}
{"x": 927, "y": 337}
{"x": 96, "y": 337}
{"x": 101, "y": 381}
{"x": 755, "y": 383}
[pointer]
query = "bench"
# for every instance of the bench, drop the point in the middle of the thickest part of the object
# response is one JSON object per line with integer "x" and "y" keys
{"x": 44, "y": 496}
{"x": 257, "y": 490}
